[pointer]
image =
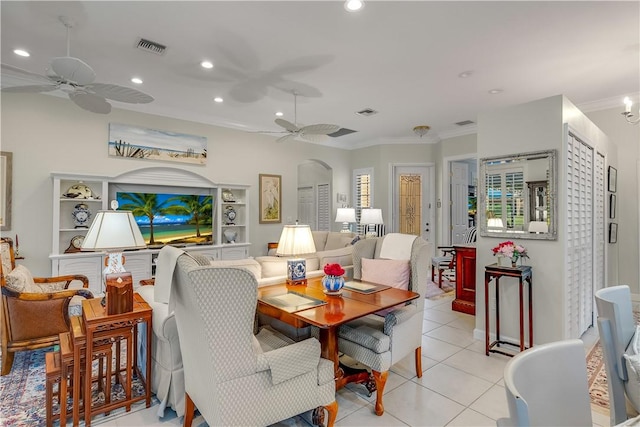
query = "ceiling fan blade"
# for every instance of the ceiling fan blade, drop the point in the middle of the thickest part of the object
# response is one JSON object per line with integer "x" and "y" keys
{"x": 73, "y": 69}
{"x": 91, "y": 102}
{"x": 119, "y": 93}
{"x": 319, "y": 129}
{"x": 287, "y": 137}
{"x": 314, "y": 137}
{"x": 30, "y": 89}
{"x": 287, "y": 125}
{"x": 8, "y": 67}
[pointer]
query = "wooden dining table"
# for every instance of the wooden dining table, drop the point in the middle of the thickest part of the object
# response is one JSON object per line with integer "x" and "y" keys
{"x": 332, "y": 311}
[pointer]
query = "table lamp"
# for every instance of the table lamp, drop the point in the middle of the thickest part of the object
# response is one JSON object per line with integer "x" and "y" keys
{"x": 538, "y": 227}
{"x": 296, "y": 240}
{"x": 114, "y": 231}
{"x": 370, "y": 217}
{"x": 345, "y": 216}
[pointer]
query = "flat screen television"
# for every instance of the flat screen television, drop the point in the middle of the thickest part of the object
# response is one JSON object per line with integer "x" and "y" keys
{"x": 174, "y": 219}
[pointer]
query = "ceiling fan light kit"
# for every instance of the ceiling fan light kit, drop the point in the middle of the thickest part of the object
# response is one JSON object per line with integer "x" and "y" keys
{"x": 76, "y": 78}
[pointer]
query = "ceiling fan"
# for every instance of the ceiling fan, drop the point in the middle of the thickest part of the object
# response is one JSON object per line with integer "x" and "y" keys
{"x": 75, "y": 77}
{"x": 313, "y": 133}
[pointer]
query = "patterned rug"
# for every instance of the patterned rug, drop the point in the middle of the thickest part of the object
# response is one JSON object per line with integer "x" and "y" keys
{"x": 597, "y": 379}
{"x": 434, "y": 291}
{"x": 22, "y": 393}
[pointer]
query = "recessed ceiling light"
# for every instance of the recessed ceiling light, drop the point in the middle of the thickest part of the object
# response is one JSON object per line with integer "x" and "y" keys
{"x": 21, "y": 52}
{"x": 279, "y": 114}
{"x": 353, "y": 5}
{"x": 206, "y": 64}
{"x": 495, "y": 91}
{"x": 218, "y": 99}
{"x": 136, "y": 80}
{"x": 465, "y": 74}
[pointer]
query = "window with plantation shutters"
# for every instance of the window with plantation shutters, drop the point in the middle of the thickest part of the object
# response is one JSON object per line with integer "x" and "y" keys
{"x": 362, "y": 193}
{"x": 324, "y": 214}
{"x": 505, "y": 196}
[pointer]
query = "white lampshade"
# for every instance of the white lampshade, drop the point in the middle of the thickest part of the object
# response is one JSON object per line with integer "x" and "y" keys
{"x": 495, "y": 223}
{"x": 295, "y": 240}
{"x": 371, "y": 216}
{"x": 113, "y": 231}
{"x": 346, "y": 215}
{"x": 538, "y": 227}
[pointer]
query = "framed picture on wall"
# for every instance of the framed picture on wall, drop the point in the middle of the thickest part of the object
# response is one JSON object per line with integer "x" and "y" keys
{"x": 613, "y": 232}
{"x": 270, "y": 198}
{"x": 613, "y": 179}
{"x": 612, "y": 206}
{"x": 6, "y": 171}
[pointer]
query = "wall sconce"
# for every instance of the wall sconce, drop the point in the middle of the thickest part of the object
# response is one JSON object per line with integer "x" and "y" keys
{"x": 627, "y": 112}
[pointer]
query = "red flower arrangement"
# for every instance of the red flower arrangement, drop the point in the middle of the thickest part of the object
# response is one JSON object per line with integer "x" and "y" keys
{"x": 333, "y": 270}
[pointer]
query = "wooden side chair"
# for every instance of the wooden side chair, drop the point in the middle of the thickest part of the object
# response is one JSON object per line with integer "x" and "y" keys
{"x": 447, "y": 261}
{"x": 35, "y": 310}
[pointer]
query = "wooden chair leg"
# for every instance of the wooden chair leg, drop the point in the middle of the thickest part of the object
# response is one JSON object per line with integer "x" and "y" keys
{"x": 7, "y": 360}
{"x": 189, "y": 410}
{"x": 433, "y": 273}
{"x": 381, "y": 380}
{"x": 332, "y": 410}
{"x": 419, "y": 362}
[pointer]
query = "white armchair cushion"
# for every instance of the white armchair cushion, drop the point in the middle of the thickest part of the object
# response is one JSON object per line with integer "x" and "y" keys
{"x": 293, "y": 360}
{"x": 632, "y": 362}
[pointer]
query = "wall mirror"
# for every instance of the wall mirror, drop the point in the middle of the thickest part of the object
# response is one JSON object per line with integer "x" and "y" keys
{"x": 518, "y": 196}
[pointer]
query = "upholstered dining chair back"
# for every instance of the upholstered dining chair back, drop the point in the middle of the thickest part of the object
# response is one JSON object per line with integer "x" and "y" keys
{"x": 382, "y": 339}
{"x": 35, "y": 310}
{"x": 546, "y": 385}
{"x": 229, "y": 377}
{"x": 616, "y": 327}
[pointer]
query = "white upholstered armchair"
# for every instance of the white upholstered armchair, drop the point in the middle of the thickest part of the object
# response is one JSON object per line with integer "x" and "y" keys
{"x": 380, "y": 340}
{"x": 232, "y": 376}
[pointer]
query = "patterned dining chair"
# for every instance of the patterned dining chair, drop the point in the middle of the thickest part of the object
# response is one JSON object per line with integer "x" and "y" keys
{"x": 233, "y": 377}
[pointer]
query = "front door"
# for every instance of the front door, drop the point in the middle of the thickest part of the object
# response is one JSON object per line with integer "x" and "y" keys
{"x": 411, "y": 200}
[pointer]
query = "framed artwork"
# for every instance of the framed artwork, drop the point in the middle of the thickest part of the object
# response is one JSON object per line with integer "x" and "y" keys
{"x": 341, "y": 198}
{"x": 270, "y": 198}
{"x": 613, "y": 232}
{"x": 152, "y": 144}
{"x": 612, "y": 206}
{"x": 613, "y": 179}
{"x": 6, "y": 172}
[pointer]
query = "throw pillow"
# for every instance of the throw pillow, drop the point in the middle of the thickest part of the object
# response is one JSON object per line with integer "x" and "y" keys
{"x": 390, "y": 272}
{"x": 21, "y": 280}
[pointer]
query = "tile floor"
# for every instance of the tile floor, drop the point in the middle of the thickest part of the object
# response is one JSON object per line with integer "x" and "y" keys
{"x": 460, "y": 386}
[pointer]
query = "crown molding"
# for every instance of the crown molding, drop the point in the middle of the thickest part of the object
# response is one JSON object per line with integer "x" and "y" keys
{"x": 606, "y": 103}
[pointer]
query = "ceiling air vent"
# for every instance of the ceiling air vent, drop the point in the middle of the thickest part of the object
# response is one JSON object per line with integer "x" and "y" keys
{"x": 151, "y": 47}
{"x": 367, "y": 112}
{"x": 341, "y": 132}
{"x": 465, "y": 122}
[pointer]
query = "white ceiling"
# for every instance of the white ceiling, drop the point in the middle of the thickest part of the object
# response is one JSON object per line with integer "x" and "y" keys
{"x": 400, "y": 58}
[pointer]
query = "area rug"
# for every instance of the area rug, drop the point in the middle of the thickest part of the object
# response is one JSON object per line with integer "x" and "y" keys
{"x": 22, "y": 393}
{"x": 597, "y": 376}
{"x": 435, "y": 292}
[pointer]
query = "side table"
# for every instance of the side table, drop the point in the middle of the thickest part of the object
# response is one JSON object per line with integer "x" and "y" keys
{"x": 523, "y": 274}
{"x": 100, "y": 325}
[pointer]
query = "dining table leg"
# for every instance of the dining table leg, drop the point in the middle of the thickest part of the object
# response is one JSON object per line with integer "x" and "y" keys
{"x": 329, "y": 349}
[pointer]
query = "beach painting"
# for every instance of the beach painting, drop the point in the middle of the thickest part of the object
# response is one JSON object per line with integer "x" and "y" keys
{"x": 152, "y": 144}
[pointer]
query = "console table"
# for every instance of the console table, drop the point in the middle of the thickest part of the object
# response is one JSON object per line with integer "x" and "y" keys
{"x": 523, "y": 274}
{"x": 465, "y": 301}
{"x": 98, "y": 325}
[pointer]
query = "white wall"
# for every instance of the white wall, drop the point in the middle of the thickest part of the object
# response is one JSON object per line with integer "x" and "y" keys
{"x": 627, "y": 139}
{"x": 538, "y": 125}
{"x": 49, "y": 134}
